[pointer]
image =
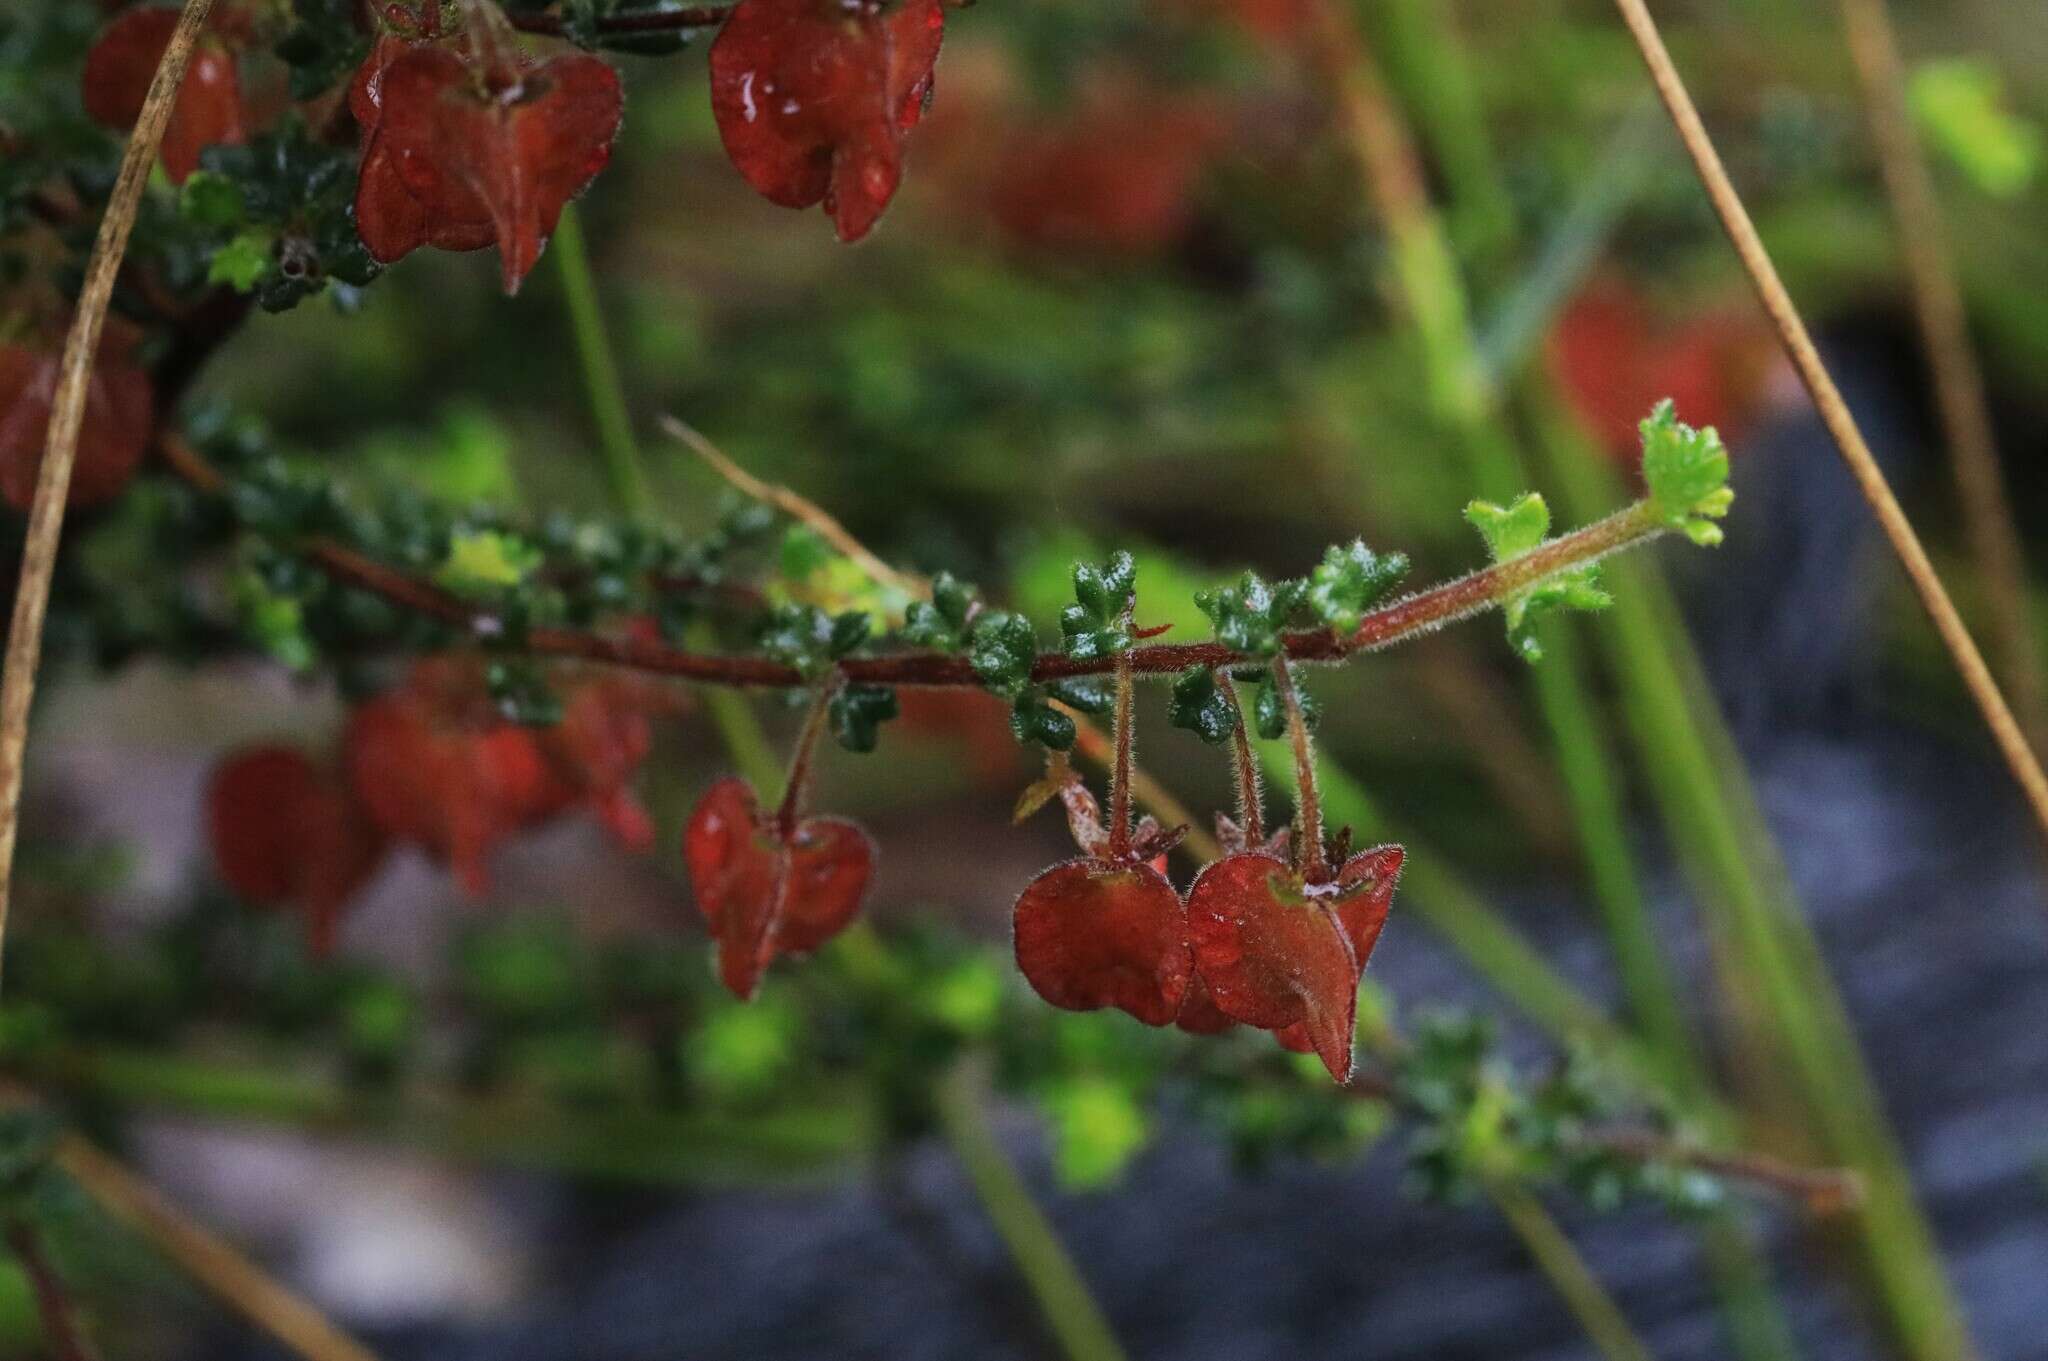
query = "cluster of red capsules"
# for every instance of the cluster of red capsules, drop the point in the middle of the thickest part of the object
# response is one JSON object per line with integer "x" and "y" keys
{"x": 1275, "y": 935}
{"x": 431, "y": 763}
{"x": 468, "y": 139}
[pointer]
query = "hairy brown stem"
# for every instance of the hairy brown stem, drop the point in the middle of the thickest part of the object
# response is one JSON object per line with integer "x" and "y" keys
{"x": 1120, "y": 771}
{"x": 1834, "y": 412}
{"x": 67, "y": 416}
{"x": 1250, "y": 816}
{"x": 798, "y": 783}
{"x": 1407, "y": 618}
{"x": 1308, "y": 798}
{"x": 1951, "y": 358}
{"x": 53, "y": 1301}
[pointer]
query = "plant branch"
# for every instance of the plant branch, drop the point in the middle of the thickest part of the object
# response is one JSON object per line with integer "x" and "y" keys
{"x": 1407, "y": 618}
{"x": 67, "y": 416}
{"x": 1308, "y": 801}
{"x": 232, "y": 1278}
{"x": 53, "y": 1301}
{"x": 1834, "y": 412}
{"x": 1251, "y": 816}
{"x": 1951, "y": 359}
{"x": 1089, "y": 739}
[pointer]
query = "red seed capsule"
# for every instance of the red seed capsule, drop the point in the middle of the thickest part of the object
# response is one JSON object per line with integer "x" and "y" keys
{"x": 1286, "y": 956}
{"x": 120, "y": 417}
{"x": 286, "y": 832}
{"x": 765, "y": 894}
{"x": 121, "y": 64}
{"x": 813, "y": 98}
{"x": 1094, "y": 933}
{"x": 461, "y": 150}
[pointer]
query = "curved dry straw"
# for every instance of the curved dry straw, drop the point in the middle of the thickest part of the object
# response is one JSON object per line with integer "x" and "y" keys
{"x": 67, "y": 414}
{"x": 1834, "y": 412}
{"x": 1951, "y": 359}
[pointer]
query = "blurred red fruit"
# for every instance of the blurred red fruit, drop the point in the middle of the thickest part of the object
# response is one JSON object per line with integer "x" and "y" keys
{"x": 118, "y": 70}
{"x": 437, "y": 765}
{"x": 813, "y": 99}
{"x": 285, "y": 832}
{"x": 120, "y": 416}
{"x": 1118, "y": 178}
{"x": 1615, "y": 364}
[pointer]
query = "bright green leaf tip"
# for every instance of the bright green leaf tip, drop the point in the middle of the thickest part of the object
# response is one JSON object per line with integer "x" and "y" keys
{"x": 1686, "y": 471}
{"x": 1515, "y": 529}
{"x": 486, "y": 560}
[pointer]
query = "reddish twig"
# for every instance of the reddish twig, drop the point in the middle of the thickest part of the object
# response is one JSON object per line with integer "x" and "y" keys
{"x": 1417, "y": 614}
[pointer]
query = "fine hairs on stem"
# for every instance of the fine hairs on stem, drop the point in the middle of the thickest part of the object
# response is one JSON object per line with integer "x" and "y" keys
{"x": 1308, "y": 798}
{"x": 795, "y": 788}
{"x": 1250, "y": 816}
{"x": 1834, "y": 411}
{"x": 1120, "y": 773}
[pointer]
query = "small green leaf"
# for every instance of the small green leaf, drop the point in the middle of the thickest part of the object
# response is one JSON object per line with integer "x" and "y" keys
{"x": 1251, "y": 615}
{"x": 1097, "y": 625}
{"x": 803, "y": 553}
{"x": 1349, "y": 581}
{"x": 486, "y": 561}
{"x": 1513, "y": 530}
{"x": 1089, "y": 694}
{"x": 1200, "y": 705}
{"x": 1269, "y": 711}
{"x": 1686, "y": 471}
{"x": 242, "y": 262}
{"x": 857, "y": 713}
{"x": 1002, "y": 650}
{"x": 210, "y": 200}
{"x": 849, "y": 631}
{"x": 941, "y": 622}
{"x": 1960, "y": 106}
{"x": 1034, "y": 720}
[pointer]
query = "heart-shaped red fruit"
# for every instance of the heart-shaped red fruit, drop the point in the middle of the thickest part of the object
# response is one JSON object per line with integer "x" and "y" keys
{"x": 121, "y": 64}
{"x": 1284, "y": 955}
{"x": 286, "y": 832}
{"x": 1097, "y": 933}
{"x": 120, "y": 416}
{"x": 456, "y": 143}
{"x": 813, "y": 98}
{"x": 767, "y": 893}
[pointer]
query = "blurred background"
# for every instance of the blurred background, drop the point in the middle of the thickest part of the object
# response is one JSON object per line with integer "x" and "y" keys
{"x": 1139, "y": 290}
